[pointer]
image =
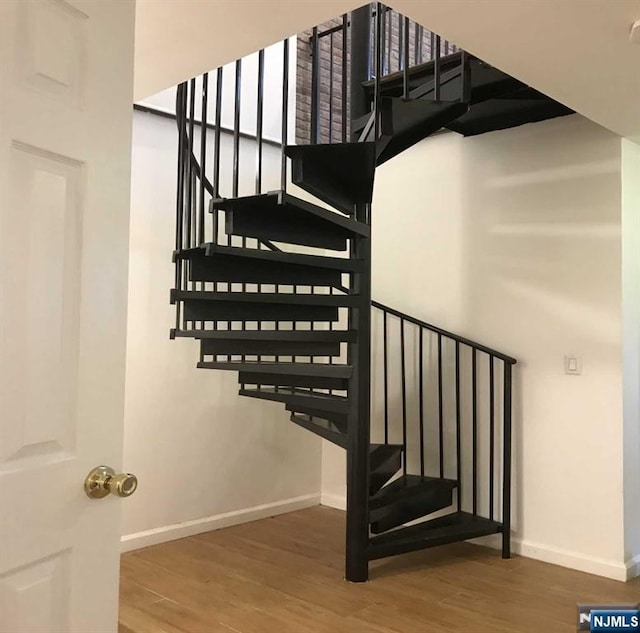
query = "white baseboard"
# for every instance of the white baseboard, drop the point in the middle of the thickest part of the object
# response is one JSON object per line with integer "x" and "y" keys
{"x": 557, "y": 556}
{"x": 206, "y": 524}
{"x": 633, "y": 567}
{"x": 339, "y": 502}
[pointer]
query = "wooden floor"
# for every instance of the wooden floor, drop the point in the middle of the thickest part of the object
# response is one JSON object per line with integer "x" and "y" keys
{"x": 284, "y": 575}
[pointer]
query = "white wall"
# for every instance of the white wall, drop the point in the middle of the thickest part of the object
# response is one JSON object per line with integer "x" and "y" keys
{"x": 513, "y": 239}
{"x": 205, "y": 457}
{"x": 631, "y": 349}
{"x": 272, "y": 93}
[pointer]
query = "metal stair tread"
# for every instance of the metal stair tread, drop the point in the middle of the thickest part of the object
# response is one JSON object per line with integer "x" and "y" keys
{"x": 273, "y": 367}
{"x": 458, "y": 526}
{"x": 326, "y": 336}
{"x": 303, "y": 259}
{"x": 379, "y": 454}
{"x": 288, "y": 298}
{"x": 281, "y": 198}
{"x": 408, "y": 487}
{"x": 339, "y": 174}
{"x": 322, "y": 427}
{"x": 292, "y": 396}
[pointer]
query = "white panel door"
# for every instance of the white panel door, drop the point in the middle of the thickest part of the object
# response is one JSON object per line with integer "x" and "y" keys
{"x": 66, "y": 71}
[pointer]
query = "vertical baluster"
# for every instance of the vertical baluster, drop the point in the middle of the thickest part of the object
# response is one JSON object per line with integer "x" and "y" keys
{"x": 383, "y": 33}
{"x": 190, "y": 191}
{"x": 492, "y": 436}
{"x": 378, "y": 67}
{"x": 474, "y": 422}
{"x": 421, "y": 395}
{"x": 416, "y": 48}
{"x": 331, "y": 87}
{"x": 259, "y": 121}
{"x": 404, "y": 398}
{"x": 400, "y": 42}
{"x": 385, "y": 378}
{"x": 236, "y": 129}
{"x": 259, "y": 132}
{"x": 388, "y": 19}
{"x": 440, "y": 408}
{"x": 458, "y": 429}
{"x": 315, "y": 86}
{"x": 344, "y": 78}
{"x": 216, "y": 155}
{"x": 506, "y": 467}
{"x": 236, "y": 155}
{"x": 420, "y": 45}
{"x": 180, "y": 110}
{"x": 432, "y": 45}
{"x": 436, "y": 71}
{"x": 405, "y": 59}
{"x": 203, "y": 155}
{"x": 285, "y": 112}
{"x": 466, "y": 77}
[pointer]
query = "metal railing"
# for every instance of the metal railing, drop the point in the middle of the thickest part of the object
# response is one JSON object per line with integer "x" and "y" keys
{"x": 401, "y": 44}
{"x": 442, "y": 395}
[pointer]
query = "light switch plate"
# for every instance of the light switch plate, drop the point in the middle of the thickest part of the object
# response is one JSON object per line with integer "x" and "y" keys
{"x": 572, "y": 365}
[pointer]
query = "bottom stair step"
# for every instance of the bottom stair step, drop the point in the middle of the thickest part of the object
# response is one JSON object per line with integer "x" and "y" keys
{"x": 384, "y": 462}
{"x": 459, "y": 526}
{"x": 408, "y": 498}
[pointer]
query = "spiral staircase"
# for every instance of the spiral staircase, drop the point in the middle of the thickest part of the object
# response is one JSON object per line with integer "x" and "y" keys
{"x": 277, "y": 288}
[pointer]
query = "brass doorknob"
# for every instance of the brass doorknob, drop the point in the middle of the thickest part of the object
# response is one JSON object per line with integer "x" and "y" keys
{"x": 103, "y": 480}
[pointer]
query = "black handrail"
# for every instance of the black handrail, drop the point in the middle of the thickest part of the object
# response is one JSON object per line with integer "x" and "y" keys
{"x": 456, "y": 337}
{"x": 456, "y": 415}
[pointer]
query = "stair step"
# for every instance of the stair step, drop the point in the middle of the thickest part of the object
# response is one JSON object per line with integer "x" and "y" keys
{"x": 340, "y": 174}
{"x": 315, "y": 261}
{"x": 268, "y": 347}
{"x": 407, "y": 498}
{"x": 311, "y": 336}
{"x": 385, "y": 460}
{"x": 458, "y": 526}
{"x": 298, "y": 398}
{"x": 290, "y": 369}
{"x": 280, "y": 217}
{"x": 255, "y": 306}
{"x": 500, "y": 114}
{"x": 404, "y": 123}
{"x": 229, "y": 264}
{"x": 324, "y": 428}
{"x": 340, "y": 419}
{"x": 292, "y": 380}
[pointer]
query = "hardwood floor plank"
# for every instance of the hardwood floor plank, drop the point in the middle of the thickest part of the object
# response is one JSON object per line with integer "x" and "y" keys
{"x": 285, "y": 575}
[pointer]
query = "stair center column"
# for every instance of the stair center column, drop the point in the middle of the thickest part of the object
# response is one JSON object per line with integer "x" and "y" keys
{"x": 358, "y": 435}
{"x": 357, "y": 536}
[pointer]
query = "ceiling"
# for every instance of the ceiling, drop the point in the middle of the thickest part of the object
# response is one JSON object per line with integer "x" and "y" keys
{"x": 576, "y": 51}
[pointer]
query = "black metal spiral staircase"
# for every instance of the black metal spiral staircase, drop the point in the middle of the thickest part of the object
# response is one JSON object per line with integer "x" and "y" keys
{"x": 280, "y": 291}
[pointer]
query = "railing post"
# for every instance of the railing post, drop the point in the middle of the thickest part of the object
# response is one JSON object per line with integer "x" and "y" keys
{"x": 360, "y": 54}
{"x": 358, "y": 433}
{"x": 315, "y": 87}
{"x": 506, "y": 469}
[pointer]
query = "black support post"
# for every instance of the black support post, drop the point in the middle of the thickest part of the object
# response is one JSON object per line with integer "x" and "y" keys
{"x": 506, "y": 465}
{"x": 358, "y": 433}
{"x": 360, "y": 56}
